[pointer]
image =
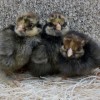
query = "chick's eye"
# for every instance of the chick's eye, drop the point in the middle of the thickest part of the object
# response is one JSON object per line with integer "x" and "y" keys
{"x": 64, "y": 24}
{"x": 78, "y": 49}
{"x": 50, "y": 24}
{"x": 31, "y": 25}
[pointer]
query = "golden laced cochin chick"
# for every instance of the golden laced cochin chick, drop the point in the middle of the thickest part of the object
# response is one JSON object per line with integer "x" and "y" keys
{"x": 79, "y": 54}
{"x": 17, "y": 43}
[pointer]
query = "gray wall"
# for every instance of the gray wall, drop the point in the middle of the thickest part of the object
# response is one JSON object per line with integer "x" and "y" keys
{"x": 83, "y": 15}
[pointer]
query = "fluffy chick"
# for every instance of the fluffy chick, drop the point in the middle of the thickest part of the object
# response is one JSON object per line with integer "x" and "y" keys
{"x": 79, "y": 55}
{"x": 43, "y": 58}
{"x": 17, "y": 43}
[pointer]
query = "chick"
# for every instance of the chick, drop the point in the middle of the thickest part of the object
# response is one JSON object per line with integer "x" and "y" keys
{"x": 79, "y": 55}
{"x": 43, "y": 59}
{"x": 17, "y": 43}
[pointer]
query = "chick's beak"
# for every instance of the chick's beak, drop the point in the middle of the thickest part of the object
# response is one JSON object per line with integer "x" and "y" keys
{"x": 20, "y": 28}
{"x": 69, "y": 52}
{"x": 58, "y": 27}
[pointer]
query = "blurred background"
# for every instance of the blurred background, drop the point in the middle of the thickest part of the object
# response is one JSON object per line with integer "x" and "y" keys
{"x": 82, "y": 15}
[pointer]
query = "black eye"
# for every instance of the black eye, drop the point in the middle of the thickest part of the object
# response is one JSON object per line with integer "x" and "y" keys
{"x": 59, "y": 16}
{"x": 50, "y": 24}
{"x": 31, "y": 25}
{"x": 64, "y": 25}
{"x": 78, "y": 49}
{"x": 38, "y": 25}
